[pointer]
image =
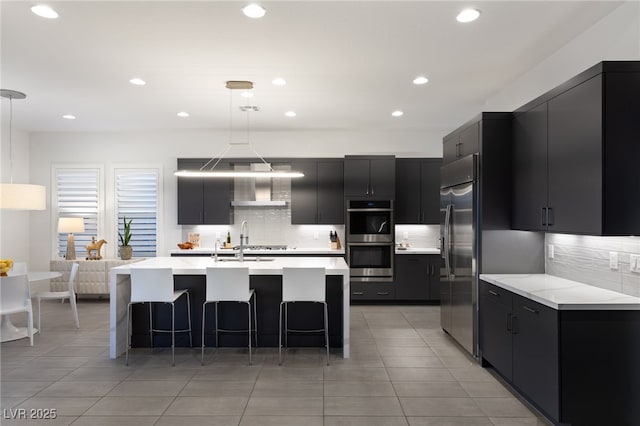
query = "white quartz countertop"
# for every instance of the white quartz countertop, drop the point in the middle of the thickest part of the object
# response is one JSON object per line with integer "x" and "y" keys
{"x": 291, "y": 250}
{"x": 562, "y": 294}
{"x": 187, "y": 265}
{"x": 418, "y": 250}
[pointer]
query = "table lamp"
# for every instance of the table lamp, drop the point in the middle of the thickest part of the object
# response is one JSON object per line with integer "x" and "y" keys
{"x": 70, "y": 225}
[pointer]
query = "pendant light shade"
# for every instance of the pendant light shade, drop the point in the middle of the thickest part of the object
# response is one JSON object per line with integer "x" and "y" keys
{"x": 18, "y": 196}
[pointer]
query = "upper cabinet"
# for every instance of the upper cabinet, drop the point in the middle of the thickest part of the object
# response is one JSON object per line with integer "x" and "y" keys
{"x": 462, "y": 142}
{"x": 369, "y": 177}
{"x": 575, "y": 155}
{"x": 318, "y": 197}
{"x": 417, "y": 190}
{"x": 203, "y": 201}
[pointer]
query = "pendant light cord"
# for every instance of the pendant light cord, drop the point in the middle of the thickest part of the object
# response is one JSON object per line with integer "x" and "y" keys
{"x": 10, "y": 141}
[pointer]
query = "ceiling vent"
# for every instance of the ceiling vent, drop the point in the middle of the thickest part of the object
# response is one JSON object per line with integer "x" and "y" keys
{"x": 250, "y": 108}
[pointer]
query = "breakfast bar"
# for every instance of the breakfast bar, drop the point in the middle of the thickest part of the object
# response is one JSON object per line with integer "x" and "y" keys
{"x": 265, "y": 278}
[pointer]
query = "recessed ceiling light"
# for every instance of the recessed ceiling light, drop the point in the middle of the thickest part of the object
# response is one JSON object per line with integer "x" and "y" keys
{"x": 137, "y": 81}
{"x": 254, "y": 11}
{"x": 279, "y": 81}
{"x": 468, "y": 15}
{"x": 290, "y": 113}
{"x": 397, "y": 113}
{"x": 182, "y": 114}
{"x": 246, "y": 94}
{"x": 420, "y": 80}
{"x": 44, "y": 11}
{"x": 69, "y": 116}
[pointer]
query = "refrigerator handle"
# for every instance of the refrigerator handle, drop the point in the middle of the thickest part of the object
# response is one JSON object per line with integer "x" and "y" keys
{"x": 447, "y": 236}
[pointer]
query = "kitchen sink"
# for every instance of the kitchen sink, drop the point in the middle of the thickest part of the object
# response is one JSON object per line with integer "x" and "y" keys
{"x": 246, "y": 259}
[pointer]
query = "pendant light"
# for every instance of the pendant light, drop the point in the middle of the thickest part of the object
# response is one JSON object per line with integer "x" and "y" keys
{"x": 17, "y": 196}
{"x": 264, "y": 172}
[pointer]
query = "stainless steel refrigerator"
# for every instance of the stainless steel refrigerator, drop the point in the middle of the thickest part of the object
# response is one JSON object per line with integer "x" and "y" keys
{"x": 476, "y": 237}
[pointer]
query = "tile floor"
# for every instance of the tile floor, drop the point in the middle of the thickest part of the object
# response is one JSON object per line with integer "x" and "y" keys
{"x": 403, "y": 371}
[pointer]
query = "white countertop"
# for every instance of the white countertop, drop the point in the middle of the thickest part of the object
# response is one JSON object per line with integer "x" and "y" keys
{"x": 291, "y": 250}
{"x": 562, "y": 294}
{"x": 418, "y": 250}
{"x": 197, "y": 265}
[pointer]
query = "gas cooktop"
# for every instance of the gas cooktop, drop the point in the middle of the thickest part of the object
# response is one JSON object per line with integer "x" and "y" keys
{"x": 262, "y": 247}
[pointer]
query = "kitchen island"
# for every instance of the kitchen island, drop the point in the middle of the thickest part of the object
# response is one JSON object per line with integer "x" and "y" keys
{"x": 265, "y": 278}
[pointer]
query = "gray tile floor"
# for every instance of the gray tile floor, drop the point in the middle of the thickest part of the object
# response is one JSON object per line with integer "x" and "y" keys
{"x": 403, "y": 371}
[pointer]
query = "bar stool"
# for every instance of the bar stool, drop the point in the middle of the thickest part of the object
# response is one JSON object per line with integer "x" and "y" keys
{"x": 155, "y": 285}
{"x": 229, "y": 284}
{"x": 303, "y": 285}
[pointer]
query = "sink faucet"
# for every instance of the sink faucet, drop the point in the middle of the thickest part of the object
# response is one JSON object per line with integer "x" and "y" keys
{"x": 215, "y": 249}
{"x": 244, "y": 239}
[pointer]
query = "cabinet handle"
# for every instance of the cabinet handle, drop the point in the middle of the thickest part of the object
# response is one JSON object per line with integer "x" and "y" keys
{"x": 550, "y": 218}
{"x": 383, "y": 293}
{"x": 514, "y": 324}
{"x": 458, "y": 150}
{"x": 493, "y": 293}
{"x": 358, "y": 293}
{"x": 543, "y": 214}
{"x": 528, "y": 309}
{"x": 372, "y": 190}
{"x": 367, "y": 193}
{"x": 509, "y": 322}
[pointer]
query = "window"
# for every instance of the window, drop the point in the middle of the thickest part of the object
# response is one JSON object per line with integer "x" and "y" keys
{"x": 77, "y": 194}
{"x": 136, "y": 199}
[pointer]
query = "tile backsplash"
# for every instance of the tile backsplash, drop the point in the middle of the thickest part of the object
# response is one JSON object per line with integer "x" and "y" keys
{"x": 586, "y": 259}
{"x": 422, "y": 236}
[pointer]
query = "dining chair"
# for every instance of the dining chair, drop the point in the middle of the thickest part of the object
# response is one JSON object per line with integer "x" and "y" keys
{"x": 155, "y": 285}
{"x": 15, "y": 297}
{"x": 302, "y": 285}
{"x": 69, "y": 293}
{"x": 229, "y": 285}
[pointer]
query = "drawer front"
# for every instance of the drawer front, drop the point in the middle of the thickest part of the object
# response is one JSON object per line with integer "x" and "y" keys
{"x": 373, "y": 291}
{"x": 496, "y": 294}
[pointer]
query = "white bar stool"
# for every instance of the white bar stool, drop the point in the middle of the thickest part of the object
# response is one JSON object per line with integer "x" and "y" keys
{"x": 68, "y": 294}
{"x": 303, "y": 285}
{"x": 229, "y": 284}
{"x": 155, "y": 285}
{"x": 15, "y": 296}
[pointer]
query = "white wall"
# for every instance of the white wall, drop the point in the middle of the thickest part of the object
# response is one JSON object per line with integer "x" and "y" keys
{"x": 615, "y": 37}
{"x": 14, "y": 225}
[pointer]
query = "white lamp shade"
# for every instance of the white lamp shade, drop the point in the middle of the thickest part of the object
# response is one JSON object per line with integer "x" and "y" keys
{"x": 17, "y": 196}
{"x": 70, "y": 224}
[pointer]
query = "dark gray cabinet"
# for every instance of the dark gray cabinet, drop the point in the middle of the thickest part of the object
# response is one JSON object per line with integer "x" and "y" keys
{"x": 574, "y": 155}
{"x": 203, "y": 201}
{"x": 415, "y": 275}
{"x": 461, "y": 142}
{"x": 318, "y": 197}
{"x": 417, "y": 191}
{"x": 519, "y": 338}
{"x": 368, "y": 291}
{"x": 369, "y": 177}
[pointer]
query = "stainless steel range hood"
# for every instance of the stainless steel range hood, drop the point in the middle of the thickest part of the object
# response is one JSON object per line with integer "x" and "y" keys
{"x": 260, "y": 190}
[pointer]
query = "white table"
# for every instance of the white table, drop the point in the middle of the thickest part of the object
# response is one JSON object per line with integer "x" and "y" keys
{"x": 8, "y": 331}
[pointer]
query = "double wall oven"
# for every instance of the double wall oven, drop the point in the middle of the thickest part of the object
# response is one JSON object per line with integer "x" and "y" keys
{"x": 370, "y": 240}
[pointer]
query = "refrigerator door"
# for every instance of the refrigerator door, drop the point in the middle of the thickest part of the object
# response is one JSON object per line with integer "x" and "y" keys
{"x": 463, "y": 263}
{"x": 445, "y": 250}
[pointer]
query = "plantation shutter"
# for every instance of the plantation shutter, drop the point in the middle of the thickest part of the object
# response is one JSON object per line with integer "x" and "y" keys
{"x": 77, "y": 195}
{"x": 136, "y": 193}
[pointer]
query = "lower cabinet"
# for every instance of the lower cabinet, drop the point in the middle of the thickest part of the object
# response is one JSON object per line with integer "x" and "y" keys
{"x": 416, "y": 278}
{"x": 578, "y": 367}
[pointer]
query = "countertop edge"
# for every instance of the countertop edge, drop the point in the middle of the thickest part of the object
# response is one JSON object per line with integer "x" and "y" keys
{"x": 497, "y": 279}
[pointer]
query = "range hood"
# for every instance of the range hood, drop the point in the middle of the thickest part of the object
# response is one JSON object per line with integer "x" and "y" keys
{"x": 260, "y": 192}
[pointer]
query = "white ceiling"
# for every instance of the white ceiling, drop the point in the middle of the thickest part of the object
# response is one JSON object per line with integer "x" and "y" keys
{"x": 348, "y": 64}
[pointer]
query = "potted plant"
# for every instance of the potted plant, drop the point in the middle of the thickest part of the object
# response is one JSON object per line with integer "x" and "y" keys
{"x": 125, "y": 249}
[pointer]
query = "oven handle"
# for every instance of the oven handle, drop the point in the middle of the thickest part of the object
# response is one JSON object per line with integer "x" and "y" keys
{"x": 371, "y": 244}
{"x": 369, "y": 210}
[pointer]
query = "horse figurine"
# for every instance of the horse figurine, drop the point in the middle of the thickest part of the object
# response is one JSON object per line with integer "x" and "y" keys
{"x": 95, "y": 245}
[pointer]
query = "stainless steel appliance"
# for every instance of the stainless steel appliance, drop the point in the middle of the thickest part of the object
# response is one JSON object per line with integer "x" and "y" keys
{"x": 370, "y": 221}
{"x": 370, "y": 240}
{"x": 476, "y": 237}
{"x": 370, "y": 261}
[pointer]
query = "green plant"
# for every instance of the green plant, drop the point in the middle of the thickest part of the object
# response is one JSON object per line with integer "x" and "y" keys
{"x": 124, "y": 239}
